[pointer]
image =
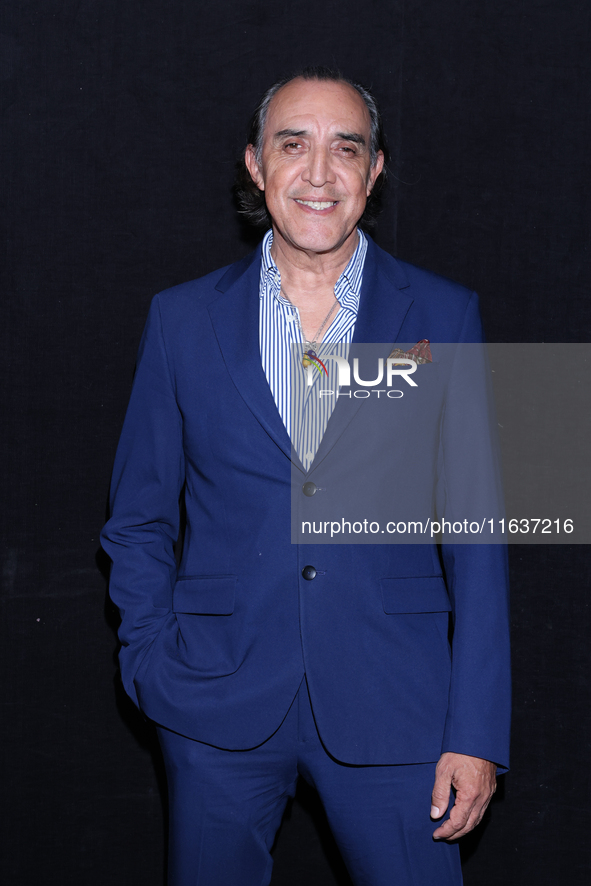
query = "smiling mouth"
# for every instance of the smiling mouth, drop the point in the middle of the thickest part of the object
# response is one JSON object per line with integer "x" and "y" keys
{"x": 317, "y": 204}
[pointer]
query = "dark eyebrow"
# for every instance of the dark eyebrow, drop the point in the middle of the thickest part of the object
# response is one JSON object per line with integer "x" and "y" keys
{"x": 354, "y": 137}
{"x": 294, "y": 133}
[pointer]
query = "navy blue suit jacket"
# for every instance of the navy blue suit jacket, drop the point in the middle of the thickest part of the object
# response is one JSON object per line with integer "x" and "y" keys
{"x": 216, "y": 650}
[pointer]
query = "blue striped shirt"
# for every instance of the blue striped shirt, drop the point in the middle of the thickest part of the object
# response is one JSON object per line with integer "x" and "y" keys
{"x": 305, "y": 413}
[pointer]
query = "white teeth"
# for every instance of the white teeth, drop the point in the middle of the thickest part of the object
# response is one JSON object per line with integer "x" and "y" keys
{"x": 315, "y": 204}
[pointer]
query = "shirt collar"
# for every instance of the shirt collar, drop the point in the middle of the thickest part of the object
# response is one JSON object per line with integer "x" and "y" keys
{"x": 348, "y": 286}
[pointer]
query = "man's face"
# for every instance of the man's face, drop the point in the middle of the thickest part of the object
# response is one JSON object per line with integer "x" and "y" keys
{"x": 315, "y": 167}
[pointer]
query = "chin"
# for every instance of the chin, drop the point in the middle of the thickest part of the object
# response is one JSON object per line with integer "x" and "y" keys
{"x": 318, "y": 244}
{"x": 318, "y": 240}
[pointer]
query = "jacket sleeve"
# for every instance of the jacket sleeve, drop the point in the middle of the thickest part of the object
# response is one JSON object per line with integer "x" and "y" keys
{"x": 147, "y": 479}
{"x": 478, "y": 718}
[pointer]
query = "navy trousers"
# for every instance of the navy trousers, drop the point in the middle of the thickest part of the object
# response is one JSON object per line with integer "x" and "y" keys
{"x": 226, "y": 807}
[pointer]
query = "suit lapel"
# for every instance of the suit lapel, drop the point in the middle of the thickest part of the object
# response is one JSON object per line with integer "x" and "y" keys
{"x": 235, "y": 319}
{"x": 383, "y": 305}
{"x": 384, "y": 302}
{"x": 385, "y": 298}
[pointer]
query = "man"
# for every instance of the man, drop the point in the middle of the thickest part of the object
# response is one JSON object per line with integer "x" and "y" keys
{"x": 260, "y": 659}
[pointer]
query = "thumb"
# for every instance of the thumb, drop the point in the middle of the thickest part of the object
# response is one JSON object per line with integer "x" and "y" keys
{"x": 441, "y": 792}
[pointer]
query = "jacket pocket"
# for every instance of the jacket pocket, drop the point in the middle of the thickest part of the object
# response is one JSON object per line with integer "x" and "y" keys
{"x": 205, "y": 595}
{"x": 420, "y": 593}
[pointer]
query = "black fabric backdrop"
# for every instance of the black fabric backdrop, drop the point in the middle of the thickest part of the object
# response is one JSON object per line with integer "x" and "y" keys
{"x": 121, "y": 123}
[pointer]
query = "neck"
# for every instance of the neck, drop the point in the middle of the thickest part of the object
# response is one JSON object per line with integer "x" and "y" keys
{"x": 311, "y": 276}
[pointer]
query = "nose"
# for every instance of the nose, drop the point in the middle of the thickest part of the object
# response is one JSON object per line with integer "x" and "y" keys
{"x": 319, "y": 169}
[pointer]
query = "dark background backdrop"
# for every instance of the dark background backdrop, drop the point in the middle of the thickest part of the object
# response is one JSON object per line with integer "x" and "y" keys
{"x": 121, "y": 123}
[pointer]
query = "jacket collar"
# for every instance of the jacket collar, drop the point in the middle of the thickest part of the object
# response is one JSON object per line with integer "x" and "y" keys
{"x": 384, "y": 303}
{"x": 383, "y": 306}
{"x": 235, "y": 319}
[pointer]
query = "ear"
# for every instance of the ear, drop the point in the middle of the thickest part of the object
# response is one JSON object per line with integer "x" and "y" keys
{"x": 375, "y": 171}
{"x": 253, "y": 167}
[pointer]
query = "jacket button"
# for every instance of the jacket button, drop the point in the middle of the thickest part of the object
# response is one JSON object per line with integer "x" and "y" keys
{"x": 309, "y": 489}
{"x": 309, "y": 573}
